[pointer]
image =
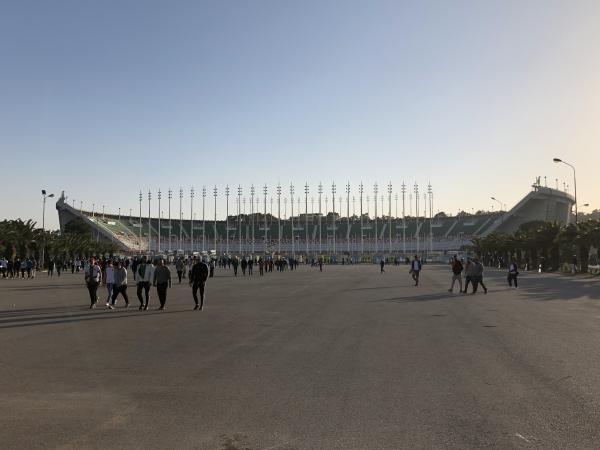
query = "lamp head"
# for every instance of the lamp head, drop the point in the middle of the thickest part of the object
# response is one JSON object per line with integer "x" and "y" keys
{"x": 43, "y": 191}
{"x": 51, "y": 195}
{"x": 557, "y": 160}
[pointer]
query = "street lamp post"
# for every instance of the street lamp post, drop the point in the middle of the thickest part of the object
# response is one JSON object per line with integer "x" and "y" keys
{"x": 417, "y": 214}
{"x": 44, "y": 226}
{"x": 558, "y": 160}
{"x": 333, "y": 190}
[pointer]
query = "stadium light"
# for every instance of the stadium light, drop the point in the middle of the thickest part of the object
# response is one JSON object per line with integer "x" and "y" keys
{"x": 558, "y": 160}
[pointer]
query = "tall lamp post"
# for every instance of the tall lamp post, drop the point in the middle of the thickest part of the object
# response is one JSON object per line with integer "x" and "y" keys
{"x": 500, "y": 209}
{"x": 333, "y": 191}
{"x": 348, "y": 218}
{"x": 558, "y": 160}
{"x": 44, "y": 226}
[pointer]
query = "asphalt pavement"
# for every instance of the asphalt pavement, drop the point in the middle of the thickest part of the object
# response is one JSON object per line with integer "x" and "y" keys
{"x": 344, "y": 359}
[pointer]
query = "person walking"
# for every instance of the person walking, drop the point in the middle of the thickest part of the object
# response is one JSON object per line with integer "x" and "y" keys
{"x": 244, "y": 265}
{"x": 109, "y": 281}
{"x": 457, "y": 269}
{"x": 261, "y": 267}
{"x": 382, "y": 265}
{"x": 120, "y": 286}
{"x": 143, "y": 277}
{"x": 513, "y": 273}
{"x": 478, "y": 277}
{"x": 470, "y": 272}
{"x": 235, "y": 266}
{"x": 197, "y": 277}
{"x": 415, "y": 269}
{"x": 93, "y": 277}
{"x": 162, "y": 281}
{"x": 179, "y": 266}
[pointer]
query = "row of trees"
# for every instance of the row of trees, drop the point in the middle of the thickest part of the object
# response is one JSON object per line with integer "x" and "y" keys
{"x": 19, "y": 239}
{"x": 547, "y": 243}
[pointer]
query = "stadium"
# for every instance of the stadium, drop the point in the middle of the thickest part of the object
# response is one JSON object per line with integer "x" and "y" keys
{"x": 309, "y": 234}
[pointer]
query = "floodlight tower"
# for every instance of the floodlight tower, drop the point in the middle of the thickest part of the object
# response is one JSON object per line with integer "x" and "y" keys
{"x": 240, "y": 217}
{"x": 180, "y": 220}
{"x": 333, "y": 190}
{"x": 140, "y": 246}
{"x": 403, "y": 190}
{"x": 375, "y": 189}
{"x": 215, "y": 195}
{"x": 348, "y": 218}
{"x": 252, "y": 214}
{"x": 362, "y": 235}
{"x": 170, "y": 193}
{"x": 265, "y": 198}
{"x": 390, "y": 215}
{"x": 159, "y": 198}
{"x": 192, "y": 220}
{"x": 416, "y": 190}
{"x": 227, "y": 220}
{"x": 292, "y": 219}
{"x": 306, "y": 188}
{"x": 320, "y": 218}
{"x": 279, "y": 218}
{"x": 149, "y": 221}
{"x": 203, "y": 219}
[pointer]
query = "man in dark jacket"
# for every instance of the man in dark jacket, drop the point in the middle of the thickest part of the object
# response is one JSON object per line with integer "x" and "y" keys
{"x": 197, "y": 277}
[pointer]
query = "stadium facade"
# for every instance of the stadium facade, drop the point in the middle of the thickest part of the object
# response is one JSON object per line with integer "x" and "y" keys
{"x": 313, "y": 234}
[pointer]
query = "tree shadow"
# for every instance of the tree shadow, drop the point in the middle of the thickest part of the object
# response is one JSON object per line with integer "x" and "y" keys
{"x": 416, "y": 298}
{"x": 558, "y": 288}
{"x": 90, "y": 315}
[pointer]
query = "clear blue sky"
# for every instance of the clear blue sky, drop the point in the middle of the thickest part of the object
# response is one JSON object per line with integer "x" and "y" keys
{"x": 102, "y": 99}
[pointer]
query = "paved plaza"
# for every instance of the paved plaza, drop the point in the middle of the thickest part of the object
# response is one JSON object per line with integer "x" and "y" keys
{"x": 344, "y": 359}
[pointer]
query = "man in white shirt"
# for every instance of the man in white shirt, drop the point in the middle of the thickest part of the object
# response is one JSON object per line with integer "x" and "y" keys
{"x": 144, "y": 276}
{"x": 3, "y": 266}
{"x": 109, "y": 281}
{"x": 93, "y": 277}
{"x": 415, "y": 269}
